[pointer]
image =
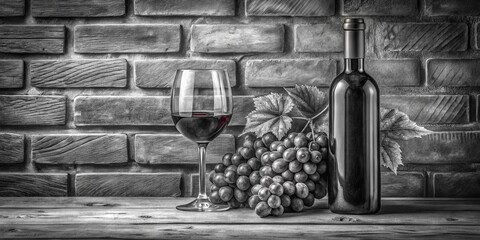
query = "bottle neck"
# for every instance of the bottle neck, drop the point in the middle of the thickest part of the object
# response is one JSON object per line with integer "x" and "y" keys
{"x": 354, "y": 65}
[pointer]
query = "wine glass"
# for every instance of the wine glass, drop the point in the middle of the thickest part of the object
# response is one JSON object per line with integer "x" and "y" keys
{"x": 201, "y": 107}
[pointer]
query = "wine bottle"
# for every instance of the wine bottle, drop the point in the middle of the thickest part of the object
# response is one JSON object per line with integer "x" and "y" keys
{"x": 354, "y": 155}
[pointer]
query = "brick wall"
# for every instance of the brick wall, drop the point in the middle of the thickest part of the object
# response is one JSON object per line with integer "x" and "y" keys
{"x": 84, "y": 86}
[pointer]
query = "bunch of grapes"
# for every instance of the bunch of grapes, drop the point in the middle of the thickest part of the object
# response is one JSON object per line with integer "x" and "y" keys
{"x": 273, "y": 176}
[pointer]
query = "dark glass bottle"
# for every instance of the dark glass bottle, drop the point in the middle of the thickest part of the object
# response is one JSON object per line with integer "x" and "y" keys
{"x": 354, "y": 159}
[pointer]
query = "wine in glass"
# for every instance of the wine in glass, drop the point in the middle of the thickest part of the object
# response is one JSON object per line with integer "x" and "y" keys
{"x": 201, "y": 107}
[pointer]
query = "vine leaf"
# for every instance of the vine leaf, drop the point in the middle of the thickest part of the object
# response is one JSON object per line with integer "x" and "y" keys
{"x": 309, "y": 100}
{"x": 270, "y": 115}
{"x": 390, "y": 154}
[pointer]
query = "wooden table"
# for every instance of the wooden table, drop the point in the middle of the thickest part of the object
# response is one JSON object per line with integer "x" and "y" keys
{"x": 156, "y": 218}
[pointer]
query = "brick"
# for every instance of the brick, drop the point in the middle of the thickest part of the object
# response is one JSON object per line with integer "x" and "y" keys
{"x": 32, "y": 110}
{"x": 306, "y": 8}
{"x": 453, "y": 72}
{"x": 12, "y": 8}
{"x": 79, "y": 148}
{"x": 195, "y": 183}
{"x": 287, "y": 73}
{"x": 477, "y": 35}
{"x": 319, "y": 38}
{"x": 48, "y": 39}
{"x": 394, "y": 72}
{"x": 161, "y": 73}
{"x": 78, "y": 73}
{"x": 452, "y": 8}
{"x": 11, "y": 74}
{"x": 233, "y": 38}
{"x": 425, "y": 37}
{"x": 11, "y": 148}
{"x": 380, "y": 7}
{"x": 185, "y": 7}
{"x": 33, "y": 184}
{"x": 443, "y": 148}
{"x": 436, "y": 109}
{"x": 131, "y": 38}
{"x": 176, "y": 149}
{"x": 128, "y": 184}
{"x": 78, "y": 8}
{"x": 404, "y": 184}
{"x": 461, "y": 184}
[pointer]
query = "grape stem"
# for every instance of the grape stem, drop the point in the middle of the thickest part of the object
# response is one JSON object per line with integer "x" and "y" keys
{"x": 310, "y": 120}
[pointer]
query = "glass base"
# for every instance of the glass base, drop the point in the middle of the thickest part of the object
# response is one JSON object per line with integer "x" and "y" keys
{"x": 203, "y": 205}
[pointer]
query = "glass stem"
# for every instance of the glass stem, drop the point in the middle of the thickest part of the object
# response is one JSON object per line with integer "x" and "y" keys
{"x": 202, "y": 191}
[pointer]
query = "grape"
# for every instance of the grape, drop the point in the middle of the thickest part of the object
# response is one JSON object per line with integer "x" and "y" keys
{"x": 256, "y": 188}
{"x": 303, "y": 155}
{"x": 226, "y": 193}
{"x": 300, "y": 177}
{"x": 266, "y": 181}
{"x": 315, "y": 156}
{"x": 260, "y": 151}
{"x": 262, "y": 209}
{"x": 240, "y": 195}
{"x": 237, "y": 159}
{"x": 288, "y": 143}
{"x": 233, "y": 203}
{"x": 255, "y": 178}
{"x": 313, "y": 146}
{"x": 309, "y": 200}
{"x": 277, "y": 211}
{"x": 214, "y": 188}
{"x": 264, "y": 193}
{"x": 301, "y": 190}
{"x": 243, "y": 183}
{"x": 273, "y": 146}
{"x": 309, "y": 136}
{"x": 220, "y": 168}
{"x": 278, "y": 179}
{"x": 274, "y": 156}
{"x": 268, "y": 138}
{"x": 248, "y": 144}
{"x": 247, "y": 153}
{"x": 230, "y": 177}
{"x": 211, "y": 174}
{"x": 315, "y": 177}
{"x": 231, "y": 168}
{"x": 292, "y": 135}
{"x": 322, "y": 167}
{"x": 219, "y": 180}
{"x": 286, "y": 200}
{"x": 281, "y": 148}
{"x": 289, "y": 188}
{"x": 322, "y": 139}
{"x": 258, "y": 144}
{"x": 227, "y": 159}
{"x": 274, "y": 201}
{"x": 309, "y": 168}
{"x": 297, "y": 204}
{"x": 324, "y": 152}
{"x": 300, "y": 140}
{"x": 295, "y": 166}
{"x": 287, "y": 175}
{"x": 215, "y": 197}
{"x": 266, "y": 171}
{"x": 279, "y": 165}
{"x": 265, "y": 159}
{"x": 244, "y": 169}
{"x": 310, "y": 185}
{"x": 253, "y": 201}
{"x": 276, "y": 189}
{"x": 290, "y": 154}
{"x": 254, "y": 163}
{"x": 320, "y": 191}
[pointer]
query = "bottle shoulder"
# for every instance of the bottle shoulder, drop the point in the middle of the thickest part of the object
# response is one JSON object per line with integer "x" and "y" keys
{"x": 354, "y": 79}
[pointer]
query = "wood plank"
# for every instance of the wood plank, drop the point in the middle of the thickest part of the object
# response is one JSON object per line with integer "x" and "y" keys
{"x": 79, "y": 148}
{"x": 163, "y": 149}
{"x": 77, "y": 8}
{"x": 128, "y": 184}
{"x": 12, "y": 8}
{"x": 32, "y": 39}
{"x": 11, "y": 73}
{"x": 232, "y": 231}
{"x": 79, "y": 73}
{"x": 32, "y": 110}
{"x": 11, "y": 148}
{"x": 132, "y": 38}
{"x": 33, "y": 184}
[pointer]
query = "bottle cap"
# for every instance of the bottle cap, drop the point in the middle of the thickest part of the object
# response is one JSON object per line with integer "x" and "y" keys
{"x": 354, "y": 24}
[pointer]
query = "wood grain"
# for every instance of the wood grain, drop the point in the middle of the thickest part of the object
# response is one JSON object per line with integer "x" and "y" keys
{"x": 128, "y": 184}
{"x": 185, "y": 7}
{"x": 12, "y": 8}
{"x": 33, "y": 184}
{"x": 32, "y": 110}
{"x": 11, "y": 148}
{"x": 79, "y": 148}
{"x": 32, "y": 39}
{"x": 163, "y": 149}
{"x": 78, "y": 8}
{"x": 131, "y": 38}
{"x": 11, "y": 74}
{"x": 79, "y": 73}
{"x": 232, "y": 231}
